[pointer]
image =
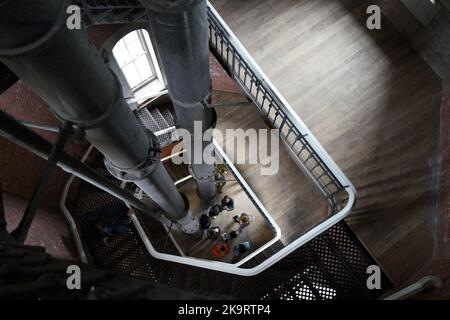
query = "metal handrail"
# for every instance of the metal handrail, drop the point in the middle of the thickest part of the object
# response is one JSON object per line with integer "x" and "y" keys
{"x": 233, "y": 268}
{"x": 237, "y": 268}
{"x": 165, "y": 131}
{"x": 426, "y": 283}
{"x": 212, "y": 265}
{"x": 72, "y": 225}
{"x": 300, "y": 142}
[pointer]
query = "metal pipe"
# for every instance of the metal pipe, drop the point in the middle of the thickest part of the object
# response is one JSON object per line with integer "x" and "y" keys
{"x": 40, "y": 126}
{"x": 21, "y": 232}
{"x": 65, "y": 69}
{"x": 68, "y": 216}
{"x": 15, "y": 132}
{"x": 180, "y": 31}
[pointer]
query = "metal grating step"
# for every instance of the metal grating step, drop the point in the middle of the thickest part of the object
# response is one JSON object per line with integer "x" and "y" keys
{"x": 146, "y": 119}
{"x": 326, "y": 268}
{"x": 97, "y": 12}
{"x": 158, "y": 235}
{"x": 277, "y": 246}
{"x": 157, "y": 119}
{"x": 162, "y": 123}
{"x": 167, "y": 114}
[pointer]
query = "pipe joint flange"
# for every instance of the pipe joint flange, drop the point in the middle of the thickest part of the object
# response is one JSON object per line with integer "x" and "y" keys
{"x": 213, "y": 123}
{"x": 208, "y": 177}
{"x": 141, "y": 171}
{"x": 188, "y": 224}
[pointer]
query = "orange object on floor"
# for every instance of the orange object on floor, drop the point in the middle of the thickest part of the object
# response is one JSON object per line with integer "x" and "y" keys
{"x": 220, "y": 249}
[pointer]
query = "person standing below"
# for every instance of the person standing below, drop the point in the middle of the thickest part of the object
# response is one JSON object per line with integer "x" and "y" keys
{"x": 205, "y": 222}
{"x": 107, "y": 222}
{"x": 243, "y": 220}
{"x": 214, "y": 211}
{"x": 213, "y": 233}
{"x": 227, "y": 203}
{"x": 241, "y": 249}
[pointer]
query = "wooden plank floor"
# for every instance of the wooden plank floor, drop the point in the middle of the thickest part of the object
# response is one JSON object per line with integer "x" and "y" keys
{"x": 289, "y": 196}
{"x": 372, "y": 103}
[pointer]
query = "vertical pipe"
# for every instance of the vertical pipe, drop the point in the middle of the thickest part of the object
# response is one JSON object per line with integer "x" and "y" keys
{"x": 180, "y": 30}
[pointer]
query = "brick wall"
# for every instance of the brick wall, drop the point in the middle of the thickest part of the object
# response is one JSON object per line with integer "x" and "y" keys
{"x": 20, "y": 170}
{"x": 48, "y": 229}
{"x": 99, "y": 34}
{"x": 220, "y": 79}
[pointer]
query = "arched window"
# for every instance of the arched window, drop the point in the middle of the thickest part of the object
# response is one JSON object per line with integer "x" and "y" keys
{"x": 136, "y": 59}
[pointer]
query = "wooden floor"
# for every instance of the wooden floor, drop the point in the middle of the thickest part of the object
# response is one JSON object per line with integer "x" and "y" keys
{"x": 372, "y": 103}
{"x": 258, "y": 233}
{"x": 289, "y": 196}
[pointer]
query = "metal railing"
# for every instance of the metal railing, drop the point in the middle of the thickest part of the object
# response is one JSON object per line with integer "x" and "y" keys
{"x": 112, "y": 12}
{"x": 426, "y": 283}
{"x": 233, "y": 268}
{"x": 72, "y": 225}
{"x": 301, "y": 144}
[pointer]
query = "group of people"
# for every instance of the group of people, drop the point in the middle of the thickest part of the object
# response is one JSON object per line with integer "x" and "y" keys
{"x": 224, "y": 240}
{"x": 107, "y": 222}
{"x": 227, "y": 204}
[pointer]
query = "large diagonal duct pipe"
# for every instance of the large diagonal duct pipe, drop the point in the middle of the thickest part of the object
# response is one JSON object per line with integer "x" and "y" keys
{"x": 64, "y": 68}
{"x": 180, "y": 30}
